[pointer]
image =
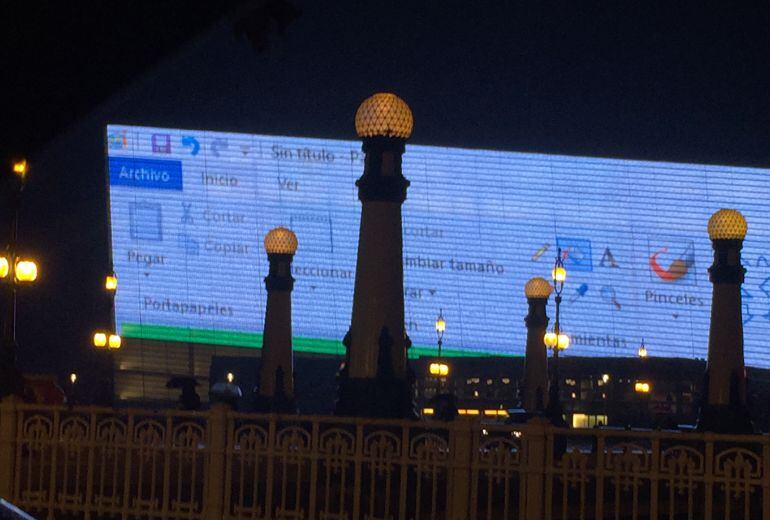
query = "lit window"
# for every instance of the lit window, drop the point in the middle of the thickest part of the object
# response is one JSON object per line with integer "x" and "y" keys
{"x": 582, "y": 420}
{"x": 579, "y": 420}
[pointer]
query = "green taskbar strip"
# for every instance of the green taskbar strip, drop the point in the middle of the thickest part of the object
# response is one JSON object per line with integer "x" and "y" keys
{"x": 254, "y": 340}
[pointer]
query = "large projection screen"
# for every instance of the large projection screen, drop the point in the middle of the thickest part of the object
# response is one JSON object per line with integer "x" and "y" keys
{"x": 189, "y": 210}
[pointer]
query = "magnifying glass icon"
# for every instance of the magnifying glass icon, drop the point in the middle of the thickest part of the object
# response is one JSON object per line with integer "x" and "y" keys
{"x": 608, "y": 295}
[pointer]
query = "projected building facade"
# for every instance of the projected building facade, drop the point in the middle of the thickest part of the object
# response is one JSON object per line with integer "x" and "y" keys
{"x": 188, "y": 209}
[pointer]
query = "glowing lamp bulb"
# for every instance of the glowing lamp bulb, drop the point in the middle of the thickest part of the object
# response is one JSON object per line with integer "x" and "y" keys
{"x": 281, "y": 241}
{"x": 642, "y": 352}
{"x": 100, "y": 339}
{"x": 111, "y": 282}
{"x": 230, "y": 377}
{"x": 642, "y": 387}
{"x": 4, "y": 267}
{"x": 550, "y": 339}
{"x": 434, "y": 369}
{"x": 440, "y": 324}
{"x": 727, "y": 224}
{"x": 559, "y": 274}
{"x": 537, "y": 287}
{"x": 26, "y": 271}
{"x": 443, "y": 369}
{"x": 114, "y": 341}
{"x": 20, "y": 168}
{"x": 384, "y": 115}
{"x": 562, "y": 341}
{"x": 73, "y": 378}
{"x": 605, "y": 378}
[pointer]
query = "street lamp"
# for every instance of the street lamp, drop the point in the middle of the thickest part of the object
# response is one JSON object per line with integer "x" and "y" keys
{"x": 556, "y": 340}
{"x": 25, "y": 271}
{"x": 438, "y": 368}
{"x": 440, "y": 328}
{"x": 109, "y": 338}
{"x": 15, "y": 271}
{"x": 443, "y": 405}
{"x": 73, "y": 379}
{"x": 22, "y": 270}
{"x": 114, "y": 341}
{"x": 20, "y": 168}
{"x": 642, "y": 352}
{"x": 111, "y": 282}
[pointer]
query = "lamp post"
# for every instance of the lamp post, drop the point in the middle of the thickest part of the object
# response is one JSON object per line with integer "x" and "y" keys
{"x": 440, "y": 328}
{"x": 73, "y": 379}
{"x": 537, "y": 290}
{"x": 438, "y": 368}
{"x": 276, "y": 375}
{"x": 15, "y": 271}
{"x": 108, "y": 337}
{"x": 444, "y": 403}
{"x": 375, "y": 379}
{"x": 556, "y": 341}
{"x": 725, "y": 407}
{"x": 642, "y": 351}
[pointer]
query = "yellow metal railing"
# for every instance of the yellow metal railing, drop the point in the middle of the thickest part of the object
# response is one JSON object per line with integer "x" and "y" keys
{"x": 104, "y": 463}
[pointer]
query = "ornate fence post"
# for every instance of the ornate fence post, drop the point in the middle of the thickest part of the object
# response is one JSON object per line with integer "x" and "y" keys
{"x": 462, "y": 430}
{"x": 215, "y": 471}
{"x": 7, "y": 445}
{"x": 765, "y": 481}
{"x": 534, "y": 463}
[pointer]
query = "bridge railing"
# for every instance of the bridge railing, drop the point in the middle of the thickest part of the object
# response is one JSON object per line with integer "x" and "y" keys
{"x": 95, "y": 463}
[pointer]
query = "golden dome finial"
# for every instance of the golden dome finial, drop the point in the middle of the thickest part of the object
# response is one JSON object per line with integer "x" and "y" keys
{"x": 281, "y": 240}
{"x": 727, "y": 224}
{"x": 537, "y": 287}
{"x": 384, "y": 115}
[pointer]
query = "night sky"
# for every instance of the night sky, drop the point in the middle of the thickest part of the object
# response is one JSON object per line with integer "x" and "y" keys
{"x": 646, "y": 80}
